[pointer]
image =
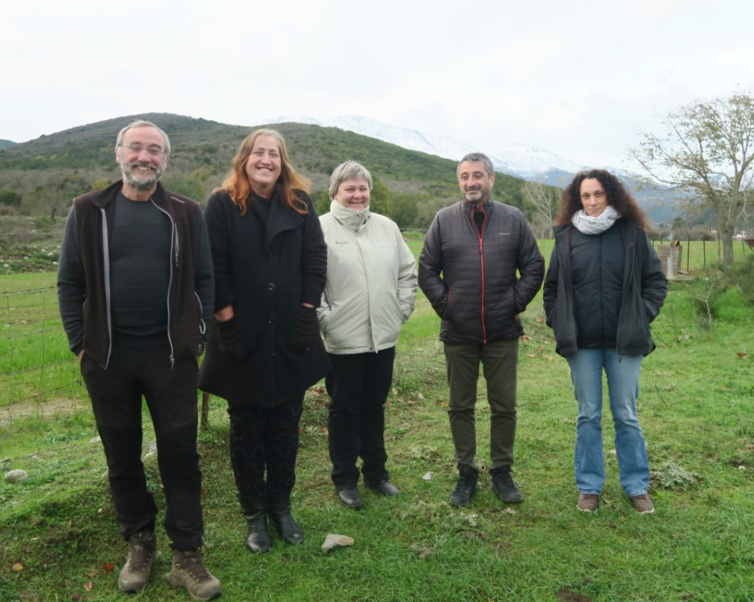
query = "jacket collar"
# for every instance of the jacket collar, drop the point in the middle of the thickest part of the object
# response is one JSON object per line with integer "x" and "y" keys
{"x": 350, "y": 218}
{"x": 106, "y": 196}
{"x": 467, "y": 206}
{"x": 282, "y": 218}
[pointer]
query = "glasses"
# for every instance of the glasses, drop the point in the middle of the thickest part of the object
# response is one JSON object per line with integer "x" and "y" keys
{"x": 152, "y": 151}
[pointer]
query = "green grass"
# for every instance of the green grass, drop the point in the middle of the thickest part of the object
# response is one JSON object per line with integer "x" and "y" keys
{"x": 696, "y": 409}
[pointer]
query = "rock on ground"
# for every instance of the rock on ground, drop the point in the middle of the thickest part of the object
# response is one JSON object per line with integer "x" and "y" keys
{"x": 333, "y": 541}
{"x": 15, "y": 476}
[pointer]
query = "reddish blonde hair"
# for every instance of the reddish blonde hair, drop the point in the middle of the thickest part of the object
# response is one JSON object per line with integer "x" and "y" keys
{"x": 237, "y": 183}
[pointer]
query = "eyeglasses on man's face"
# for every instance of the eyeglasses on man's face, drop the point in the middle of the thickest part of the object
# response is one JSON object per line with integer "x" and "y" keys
{"x": 152, "y": 151}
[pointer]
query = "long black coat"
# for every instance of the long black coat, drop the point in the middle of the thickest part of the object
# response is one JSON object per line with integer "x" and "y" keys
{"x": 265, "y": 271}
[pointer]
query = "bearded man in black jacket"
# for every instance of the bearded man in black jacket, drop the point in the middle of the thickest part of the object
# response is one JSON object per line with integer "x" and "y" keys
{"x": 136, "y": 290}
{"x": 480, "y": 267}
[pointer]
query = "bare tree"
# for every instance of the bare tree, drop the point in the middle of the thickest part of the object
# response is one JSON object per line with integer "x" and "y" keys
{"x": 541, "y": 198}
{"x": 707, "y": 152}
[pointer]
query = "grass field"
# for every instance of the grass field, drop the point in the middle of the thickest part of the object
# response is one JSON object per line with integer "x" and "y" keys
{"x": 60, "y": 542}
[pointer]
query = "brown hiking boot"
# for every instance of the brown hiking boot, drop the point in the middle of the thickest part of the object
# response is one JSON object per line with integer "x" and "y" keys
{"x": 189, "y": 571}
{"x": 142, "y": 551}
{"x": 588, "y": 502}
{"x": 643, "y": 504}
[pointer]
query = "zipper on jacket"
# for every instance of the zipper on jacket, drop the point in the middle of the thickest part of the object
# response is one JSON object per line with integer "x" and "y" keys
{"x": 173, "y": 252}
{"x": 106, "y": 270}
{"x": 480, "y": 234}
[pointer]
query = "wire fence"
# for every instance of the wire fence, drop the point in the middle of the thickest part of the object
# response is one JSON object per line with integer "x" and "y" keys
{"x": 36, "y": 366}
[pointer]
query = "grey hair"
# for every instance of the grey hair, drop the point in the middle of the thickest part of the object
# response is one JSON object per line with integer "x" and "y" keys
{"x": 350, "y": 170}
{"x": 473, "y": 157}
{"x": 140, "y": 123}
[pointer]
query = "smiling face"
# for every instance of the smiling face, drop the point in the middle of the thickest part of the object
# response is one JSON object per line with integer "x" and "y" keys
{"x": 476, "y": 184}
{"x": 142, "y": 158}
{"x": 593, "y": 197}
{"x": 353, "y": 194}
{"x": 263, "y": 167}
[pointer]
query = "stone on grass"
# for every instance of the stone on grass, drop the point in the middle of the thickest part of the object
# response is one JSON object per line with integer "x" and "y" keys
{"x": 15, "y": 476}
{"x": 333, "y": 541}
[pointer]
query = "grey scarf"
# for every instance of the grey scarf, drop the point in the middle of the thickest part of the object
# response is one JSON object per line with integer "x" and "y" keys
{"x": 595, "y": 225}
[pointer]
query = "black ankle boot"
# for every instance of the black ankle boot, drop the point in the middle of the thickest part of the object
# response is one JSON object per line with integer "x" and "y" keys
{"x": 258, "y": 539}
{"x": 280, "y": 515}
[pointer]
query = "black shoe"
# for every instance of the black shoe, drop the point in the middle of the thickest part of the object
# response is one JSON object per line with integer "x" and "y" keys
{"x": 385, "y": 488}
{"x": 350, "y": 497}
{"x": 258, "y": 540}
{"x": 465, "y": 487}
{"x": 287, "y": 528}
{"x": 505, "y": 488}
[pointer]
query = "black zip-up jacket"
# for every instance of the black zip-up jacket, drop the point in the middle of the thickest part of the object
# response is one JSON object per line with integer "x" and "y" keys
{"x": 84, "y": 274}
{"x": 470, "y": 278}
{"x": 643, "y": 290}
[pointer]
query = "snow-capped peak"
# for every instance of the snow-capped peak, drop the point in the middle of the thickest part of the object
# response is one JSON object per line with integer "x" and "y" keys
{"x": 520, "y": 160}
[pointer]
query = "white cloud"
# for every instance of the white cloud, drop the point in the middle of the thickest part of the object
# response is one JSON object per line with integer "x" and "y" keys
{"x": 579, "y": 79}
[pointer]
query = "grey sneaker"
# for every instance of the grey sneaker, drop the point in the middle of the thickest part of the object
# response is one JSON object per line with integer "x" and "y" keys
{"x": 643, "y": 504}
{"x": 142, "y": 551}
{"x": 588, "y": 502}
{"x": 189, "y": 571}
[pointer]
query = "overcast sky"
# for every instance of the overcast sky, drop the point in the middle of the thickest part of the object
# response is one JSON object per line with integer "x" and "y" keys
{"x": 579, "y": 78}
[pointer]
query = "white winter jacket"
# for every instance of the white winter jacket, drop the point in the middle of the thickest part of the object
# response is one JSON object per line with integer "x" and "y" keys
{"x": 371, "y": 281}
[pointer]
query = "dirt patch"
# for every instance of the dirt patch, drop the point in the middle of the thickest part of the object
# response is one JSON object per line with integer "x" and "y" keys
{"x": 568, "y": 596}
{"x": 56, "y": 406}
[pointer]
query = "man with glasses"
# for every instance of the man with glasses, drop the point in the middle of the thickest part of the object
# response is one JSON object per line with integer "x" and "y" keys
{"x": 135, "y": 287}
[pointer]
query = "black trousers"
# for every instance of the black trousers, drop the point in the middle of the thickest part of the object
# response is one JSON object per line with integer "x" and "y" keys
{"x": 170, "y": 394}
{"x": 264, "y": 442}
{"x": 358, "y": 388}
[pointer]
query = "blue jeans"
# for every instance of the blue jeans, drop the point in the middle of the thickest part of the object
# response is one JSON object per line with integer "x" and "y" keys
{"x": 623, "y": 389}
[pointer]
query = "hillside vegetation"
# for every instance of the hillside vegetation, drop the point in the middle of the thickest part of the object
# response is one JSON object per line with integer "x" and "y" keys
{"x": 46, "y": 173}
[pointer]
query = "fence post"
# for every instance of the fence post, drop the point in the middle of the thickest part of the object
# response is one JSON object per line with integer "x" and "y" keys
{"x": 688, "y": 252}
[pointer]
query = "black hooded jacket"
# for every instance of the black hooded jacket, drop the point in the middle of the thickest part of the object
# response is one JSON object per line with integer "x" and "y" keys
{"x": 602, "y": 291}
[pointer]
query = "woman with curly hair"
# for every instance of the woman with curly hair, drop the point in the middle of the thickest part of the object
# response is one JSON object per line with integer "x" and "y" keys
{"x": 264, "y": 348}
{"x": 603, "y": 287}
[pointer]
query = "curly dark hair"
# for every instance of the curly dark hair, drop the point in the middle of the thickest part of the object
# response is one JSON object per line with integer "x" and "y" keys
{"x": 617, "y": 196}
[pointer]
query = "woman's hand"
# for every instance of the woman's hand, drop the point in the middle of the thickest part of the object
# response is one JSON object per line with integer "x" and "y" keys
{"x": 231, "y": 334}
{"x": 306, "y": 328}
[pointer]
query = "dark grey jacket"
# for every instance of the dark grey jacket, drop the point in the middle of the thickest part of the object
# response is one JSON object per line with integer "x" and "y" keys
{"x": 83, "y": 274}
{"x": 471, "y": 280}
{"x": 644, "y": 288}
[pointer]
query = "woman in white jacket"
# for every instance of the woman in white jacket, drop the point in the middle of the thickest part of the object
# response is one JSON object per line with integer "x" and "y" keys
{"x": 370, "y": 291}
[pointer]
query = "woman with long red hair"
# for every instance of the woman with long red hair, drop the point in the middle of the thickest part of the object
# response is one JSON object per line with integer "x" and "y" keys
{"x": 264, "y": 349}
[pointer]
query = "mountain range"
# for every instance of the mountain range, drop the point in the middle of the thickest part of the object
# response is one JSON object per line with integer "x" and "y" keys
{"x": 410, "y": 163}
{"x": 518, "y": 160}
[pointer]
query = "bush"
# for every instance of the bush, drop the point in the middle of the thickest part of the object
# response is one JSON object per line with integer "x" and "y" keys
{"x": 10, "y": 198}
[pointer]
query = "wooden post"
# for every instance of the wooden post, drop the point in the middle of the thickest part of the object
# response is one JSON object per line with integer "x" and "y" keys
{"x": 205, "y": 410}
{"x": 704, "y": 252}
{"x": 688, "y": 251}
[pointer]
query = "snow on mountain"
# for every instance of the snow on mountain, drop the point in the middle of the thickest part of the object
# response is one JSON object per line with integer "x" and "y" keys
{"x": 520, "y": 160}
